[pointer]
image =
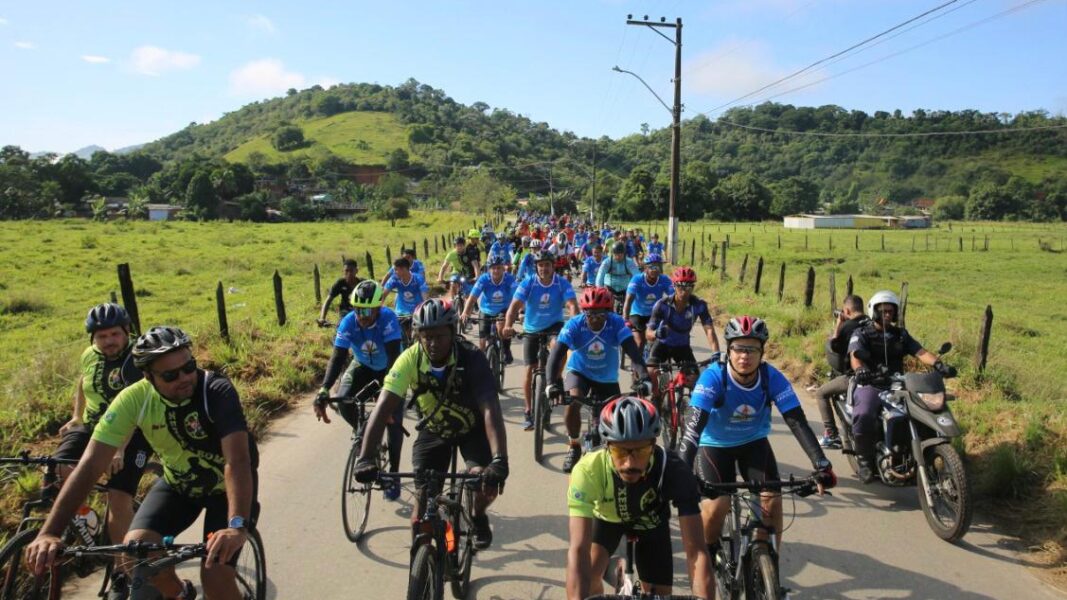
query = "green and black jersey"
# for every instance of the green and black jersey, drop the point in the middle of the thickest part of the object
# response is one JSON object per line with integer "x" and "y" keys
{"x": 186, "y": 436}
{"x": 103, "y": 379}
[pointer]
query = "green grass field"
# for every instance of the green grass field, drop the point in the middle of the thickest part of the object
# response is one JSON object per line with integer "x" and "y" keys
{"x": 362, "y": 138}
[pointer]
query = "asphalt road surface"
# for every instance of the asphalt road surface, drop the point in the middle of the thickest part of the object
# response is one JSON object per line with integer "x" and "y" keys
{"x": 866, "y": 541}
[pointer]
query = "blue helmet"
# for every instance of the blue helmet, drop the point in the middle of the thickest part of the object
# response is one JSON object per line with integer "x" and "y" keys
{"x": 497, "y": 260}
{"x": 653, "y": 258}
{"x": 456, "y": 278}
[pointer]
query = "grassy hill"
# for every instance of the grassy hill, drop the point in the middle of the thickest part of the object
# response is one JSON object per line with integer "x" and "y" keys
{"x": 362, "y": 138}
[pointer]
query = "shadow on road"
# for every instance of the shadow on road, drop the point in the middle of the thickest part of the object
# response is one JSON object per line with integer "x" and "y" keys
{"x": 497, "y": 585}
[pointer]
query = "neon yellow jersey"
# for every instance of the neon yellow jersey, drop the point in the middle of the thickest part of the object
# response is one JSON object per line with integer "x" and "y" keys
{"x": 456, "y": 262}
{"x": 103, "y": 379}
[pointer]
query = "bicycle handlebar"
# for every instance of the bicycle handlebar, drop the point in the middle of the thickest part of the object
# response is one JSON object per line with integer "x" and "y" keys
{"x": 802, "y": 487}
{"x": 141, "y": 549}
{"x": 24, "y": 458}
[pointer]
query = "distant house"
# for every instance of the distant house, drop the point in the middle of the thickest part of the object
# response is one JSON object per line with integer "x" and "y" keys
{"x": 163, "y": 212}
{"x": 807, "y": 221}
{"x": 923, "y": 204}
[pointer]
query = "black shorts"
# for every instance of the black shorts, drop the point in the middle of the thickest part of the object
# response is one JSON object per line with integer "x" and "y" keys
{"x": 577, "y": 381}
{"x": 431, "y": 451}
{"x": 531, "y": 344}
{"x": 485, "y": 324}
{"x": 652, "y": 556}
{"x": 169, "y": 513}
{"x": 754, "y": 460}
{"x": 639, "y": 322}
{"x": 355, "y": 378}
{"x": 659, "y": 353}
{"x": 75, "y": 441}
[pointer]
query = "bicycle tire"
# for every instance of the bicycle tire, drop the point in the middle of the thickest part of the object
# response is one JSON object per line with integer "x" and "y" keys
{"x": 669, "y": 430}
{"x": 495, "y": 366}
{"x": 538, "y": 416}
{"x": 251, "y": 568}
{"x": 761, "y": 576}
{"x": 461, "y": 571}
{"x": 425, "y": 581}
{"x": 354, "y": 517}
{"x": 724, "y": 574}
{"x": 16, "y": 582}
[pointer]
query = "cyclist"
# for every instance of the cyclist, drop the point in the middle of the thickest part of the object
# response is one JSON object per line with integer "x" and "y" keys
{"x": 416, "y": 265}
{"x": 591, "y": 264}
{"x": 473, "y": 254}
{"x": 411, "y": 290}
{"x": 372, "y": 334}
{"x": 671, "y": 322}
{"x": 881, "y": 342}
{"x": 342, "y": 288}
{"x": 644, "y": 290}
{"x": 492, "y": 293}
{"x": 586, "y": 249}
{"x": 456, "y": 260}
{"x": 593, "y": 340}
{"x": 729, "y": 421}
{"x": 616, "y": 271}
{"x": 627, "y": 488}
{"x": 453, "y": 389}
{"x": 106, "y": 369}
{"x": 849, "y": 317}
{"x": 193, "y": 420}
{"x": 561, "y": 248}
{"x": 501, "y": 247}
{"x": 543, "y": 297}
{"x": 655, "y": 246}
{"x": 526, "y": 267}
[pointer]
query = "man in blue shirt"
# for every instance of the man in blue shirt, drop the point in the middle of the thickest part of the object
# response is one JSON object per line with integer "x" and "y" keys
{"x": 416, "y": 265}
{"x": 372, "y": 333}
{"x": 492, "y": 294}
{"x": 729, "y": 420}
{"x": 644, "y": 291}
{"x": 500, "y": 247}
{"x": 593, "y": 341}
{"x": 411, "y": 289}
{"x": 655, "y": 246}
{"x": 590, "y": 266}
{"x": 672, "y": 321}
{"x": 543, "y": 297}
{"x": 616, "y": 271}
{"x": 526, "y": 267}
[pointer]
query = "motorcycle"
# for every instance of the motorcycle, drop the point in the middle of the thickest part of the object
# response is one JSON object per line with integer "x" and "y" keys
{"x": 913, "y": 446}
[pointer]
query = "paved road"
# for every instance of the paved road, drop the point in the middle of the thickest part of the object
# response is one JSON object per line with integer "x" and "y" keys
{"x": 864, "y": 542}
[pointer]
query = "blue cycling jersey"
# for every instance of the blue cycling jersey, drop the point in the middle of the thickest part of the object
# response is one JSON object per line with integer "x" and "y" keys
{"x": 544, "y": 303}
{"x": 631, "y": 249}
{"x": 580, "y": 238}
{"x": 743, "y": 415}
{"x": 590, "y": 266}
{"x": 655, "y": 248}
{"x": 527, "y": 268}
{"x": 500, "y": 249}
{"x": 368, "y": 345}
{"x": 408, "y": 295}
{"x": 678, "y": 324}
{"x": 646, "y": 294}
{"x": 494, "y": 298}
{"x": 595, "y": 354}
{"x": 416, "y": 267}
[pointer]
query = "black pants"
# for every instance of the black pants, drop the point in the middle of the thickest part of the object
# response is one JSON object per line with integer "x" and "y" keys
{"x": 357, "y": 377}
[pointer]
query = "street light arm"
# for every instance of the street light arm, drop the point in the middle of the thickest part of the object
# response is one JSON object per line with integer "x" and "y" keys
{"x": 648, "y": 87}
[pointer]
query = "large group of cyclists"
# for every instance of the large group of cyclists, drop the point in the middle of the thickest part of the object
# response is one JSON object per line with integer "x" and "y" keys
{"x": 585, "y": 299}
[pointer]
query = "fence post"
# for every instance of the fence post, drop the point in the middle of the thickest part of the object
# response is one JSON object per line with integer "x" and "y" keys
{"x": 781, "y": 282}
{"x": 913, "y": 243}
{"x": 883, "y": 242}
{"x": 903, "y": 302}
{"x": 727, "y": 239}
{"x": 848, "y": 286}
{"x": 833, "y": 293}
{"x": 692, "y": 252}
{"x": 805, "y": 241}
{"x": 779, "y": 241}
{"x": 318, "y": 286}
{"x": 744, "y": 267}
{"x": 830, "y": 242}
{"x": 425, "y": 249}
{"x": 759, "y": 274}
{"x": 114, "y": 297}
{"x": 714, "y": 256}
{"x": 961, "y": 243}
{"x": 809, "y": 288}
{"x": 435, "y": 250}
{"x": 279, "y": 303}
{"x": 220, "y": 306}
{"x": 722, "y": 273}
{"x": 129, "y": 299}
{"x": 857, "y": 241}
{"x": 370, "y": 264}
{"x": 983, "y": 341}
{"x": 388, "y": 257}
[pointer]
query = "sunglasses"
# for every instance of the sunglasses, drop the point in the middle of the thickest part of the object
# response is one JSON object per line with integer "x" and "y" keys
{"x": 746, "y": 349}
{"x": 364, "y": 312}
{"x": 640, "y": 453}
{"x": 684, "y": 286}
{"x": 600, "y": 312}
{"x": 172, "y": 375}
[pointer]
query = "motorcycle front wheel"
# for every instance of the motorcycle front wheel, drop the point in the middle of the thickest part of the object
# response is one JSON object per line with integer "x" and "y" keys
{"x": 949, "y": 513}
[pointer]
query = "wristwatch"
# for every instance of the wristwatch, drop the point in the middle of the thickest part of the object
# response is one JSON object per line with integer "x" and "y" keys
{"x": 820, "y": 465}
{"x": 236, "y": 522}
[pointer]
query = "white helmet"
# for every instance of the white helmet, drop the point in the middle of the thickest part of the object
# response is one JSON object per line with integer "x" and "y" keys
{"x": 882, "y": 297}
{"x": 535, "y": 244}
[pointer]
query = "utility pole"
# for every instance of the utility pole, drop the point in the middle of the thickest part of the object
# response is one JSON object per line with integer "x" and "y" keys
{"x": 592, "y": 199}
{"x": 676, "y": 122}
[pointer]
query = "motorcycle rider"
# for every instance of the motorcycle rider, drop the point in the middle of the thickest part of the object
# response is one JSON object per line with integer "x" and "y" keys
{"x": 880, "y": 343}
{"x": 849, "y": 318}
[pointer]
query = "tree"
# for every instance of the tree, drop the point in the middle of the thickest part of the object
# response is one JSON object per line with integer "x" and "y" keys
{"x": 794, "y": 195}
{"x": 287, "y": 137}
{"x": 950, "y": 208}
{"x": 844, "y": 206}
{"x": 253, "y": 206}
{"x": 991, "y": 202}
{"x": 397, "y": 160}
{"x": 99, "y": 207}
{"x": 200, "y": 197}
{"x": 742, "y": 197}
{"x": 328, "y": 105}
{"x": 480, "y": 193}
{"x": 391, "y": 185}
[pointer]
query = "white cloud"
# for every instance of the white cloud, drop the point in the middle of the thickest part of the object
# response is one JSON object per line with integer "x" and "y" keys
{"x": 93, "y": 58}
{"x": 734, "y": 68}
{"x": 263, "y": 77}
{"x": 261, "y": 23}
{"x": 3, "y": 21}
{"x": 153, "y": 60}
{"x": 25, "y": 45}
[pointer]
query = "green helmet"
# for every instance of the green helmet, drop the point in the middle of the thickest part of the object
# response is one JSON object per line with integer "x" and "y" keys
{"x": 368, "y": 294}
{"x": 474, "y": 233}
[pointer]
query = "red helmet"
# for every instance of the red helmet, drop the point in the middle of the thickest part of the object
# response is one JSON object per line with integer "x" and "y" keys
{"x": 596, "y": 298}
{"x": 684, "y": 275}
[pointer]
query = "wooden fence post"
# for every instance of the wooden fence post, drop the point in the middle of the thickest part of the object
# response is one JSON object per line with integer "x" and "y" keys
{"x": 983, "y": 340}
{"x": 779, "y": 241}
{"x": 370, "y": 265}
{"x": 809, "y": 288}
{"x": 714, "y": 256}
{"x": 781, "y": 282}
{"x": 848, "y": 286}
{"x": 388, "y": 257}
{"x": 129, "y": 298}
{"x": 903, "y": 303}
{"x": 728, "y": 237}
{"x": 883, "y": 242}
{"x": 692, "y": 253}
{"x": 833, "y": 293}
{"x": 279, "y": 303}
{"x": 425, "y": 248}
{"x": 857, "y": 241}
{"x": 759, "y": 274}
{"x": 961, "y": 243}
{"x": 114, "y": 297}
{"x": 318, "y": 286}
{"x": 913, "y": 243}
{"x": 220, "y": 306}
{"x": 722, "y": 273}
{"x": 805, "y": 241}
{"x": 830, "y": 242}
{"x": 744, "y": 267}
{"x": 435, "y": 250}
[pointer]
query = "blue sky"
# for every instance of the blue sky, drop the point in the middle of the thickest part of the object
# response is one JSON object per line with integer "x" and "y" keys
{"x": 120, "y": 73}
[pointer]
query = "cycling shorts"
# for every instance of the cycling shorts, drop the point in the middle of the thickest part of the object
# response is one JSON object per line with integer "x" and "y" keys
{"x": 754, "y": 461}
{"x": 659, "y": 353}
{"x": 484, "y": 326}
{"x": 531, "y": 344}
{"x": 75, "y": 441}
{"x": 576, "y": 381}
{"x": 652, "y": 555}
{"x": 355, "y": 378}
{"x": 639, "y": 322}
{"x": 431, "y": 451}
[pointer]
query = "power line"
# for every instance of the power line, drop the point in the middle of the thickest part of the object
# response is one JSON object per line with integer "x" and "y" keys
{"x": 832, "y": 56}
{"x": 890, "y": 135}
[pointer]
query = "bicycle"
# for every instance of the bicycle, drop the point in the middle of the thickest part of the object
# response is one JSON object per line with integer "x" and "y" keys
{"x": 405, "y": 331}
{"x": 494, "y": 349}
{"x": 743, "y": 563}
{"x": 152, "y": 559}
{"x": 675, "y": 394}
{"x": 443, "y": 548}
{"x": 542, "y": 408}
{"x": 628, "y": 587}
{"x": 15, "y": 581}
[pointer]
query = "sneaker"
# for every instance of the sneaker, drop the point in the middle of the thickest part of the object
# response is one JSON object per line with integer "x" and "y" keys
{"x": 483, "y": 534}
{"x": 119, "y": 588}
{"x": 508, "y": 358}
{"x": 830, "y": 440}
{"x": 573, "y": 455}
{"x": 188, "y": 590}
{"x": 527, "y": 422}
{"x": 391, "y": 491}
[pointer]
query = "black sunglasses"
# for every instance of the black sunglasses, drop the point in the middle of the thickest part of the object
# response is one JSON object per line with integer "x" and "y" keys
{"x": 172, "y": 375}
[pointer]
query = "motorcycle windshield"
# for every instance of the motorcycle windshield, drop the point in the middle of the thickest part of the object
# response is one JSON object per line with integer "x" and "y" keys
{"x": 924, "y": 383}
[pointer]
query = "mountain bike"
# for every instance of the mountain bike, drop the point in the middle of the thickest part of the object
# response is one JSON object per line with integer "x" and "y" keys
{"x": 675, "y": 397}
{"x": 746, "y": 561}
{"x": 542, "y": 408}
{"x": 494, "y": 349}
{"x": 86, "y": 527}
{"x": 151, "y": 559}
{"x": 628, "y": 587}
{"x": 443, "y": 548}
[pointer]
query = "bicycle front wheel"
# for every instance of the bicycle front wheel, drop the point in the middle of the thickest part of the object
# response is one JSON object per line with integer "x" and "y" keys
{"x": 539, "y": 400}
{"x": 251, "y": 568}
{"x": 496, "y": 366}
{"x": 762, "y": 575}
{"x": 355, "y": 499}
{"x": 464, "y": 552}
{"x": 426, "y": 579}
{"x": 17, "y": 582}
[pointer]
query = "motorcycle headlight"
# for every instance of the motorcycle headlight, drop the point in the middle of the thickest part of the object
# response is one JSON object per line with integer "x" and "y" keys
{"x": 933, "y": 401}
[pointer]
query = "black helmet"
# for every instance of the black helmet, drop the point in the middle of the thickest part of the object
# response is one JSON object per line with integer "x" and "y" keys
{"x": 433, "y": 313}
{"x": 104, "y": 316}
{"x": 629, "y": 419}
{"x": 619, "y": 248}
{"x": 544, "y": 255}
{"x": 156, "y": 342}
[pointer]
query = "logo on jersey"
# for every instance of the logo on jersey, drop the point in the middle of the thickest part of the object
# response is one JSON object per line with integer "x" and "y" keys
{"x": 596, "y": 350}
{"x": 546, "y": 300}
{"x": 650, "y": 299}
{"x": 114, "y": 379}
{"x": 743, "y": 414}
{"x": 369, "y": 347}
{"x": 498, "y": 297}
{"x": 193, "y": 426}
{"x": 648, "y": 500}
{"x": 409, "y": 297}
